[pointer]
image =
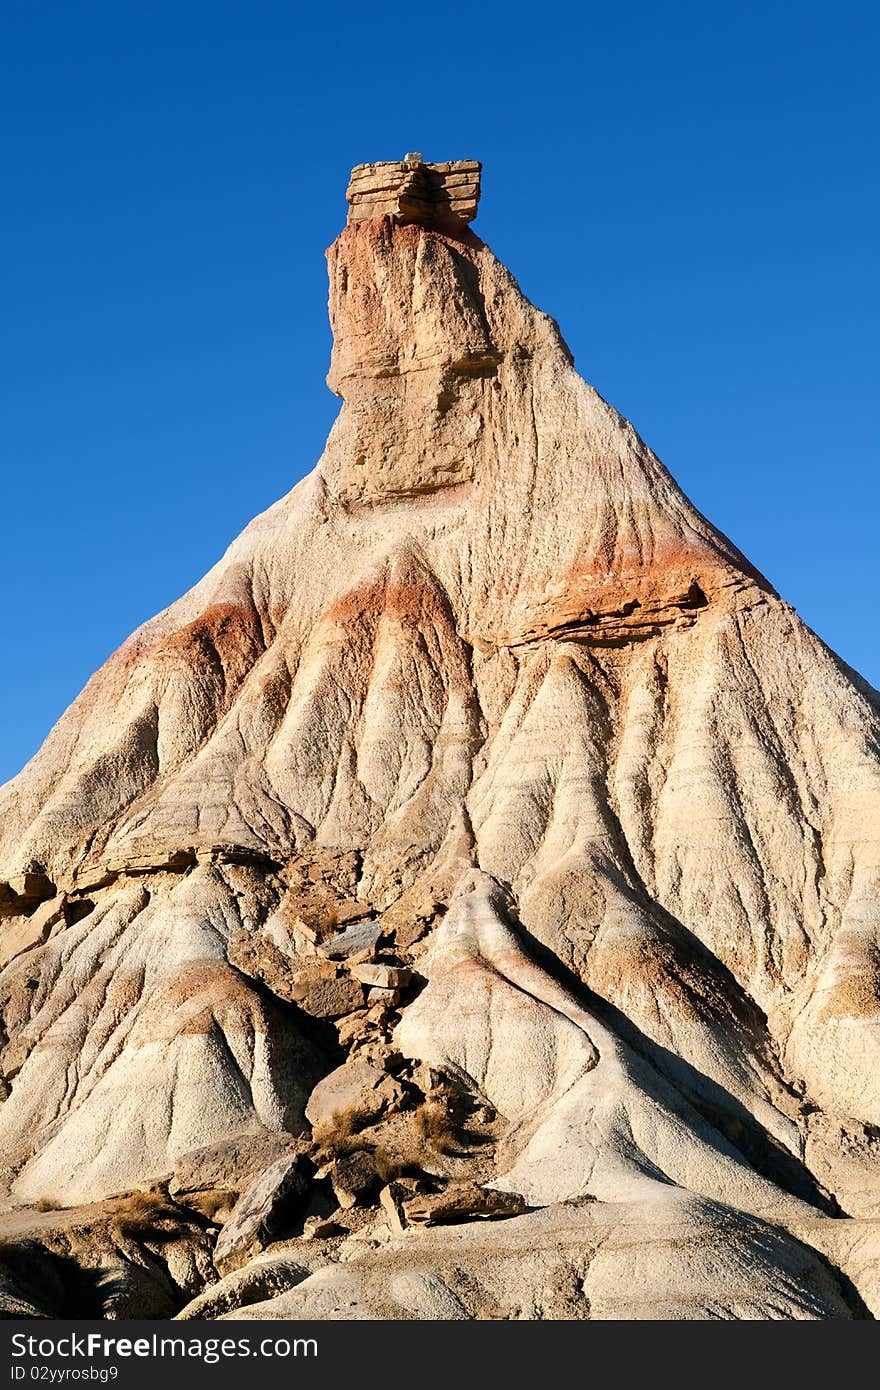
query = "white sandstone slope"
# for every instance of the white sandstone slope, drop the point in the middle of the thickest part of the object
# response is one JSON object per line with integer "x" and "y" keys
{"x": 489, "y": 651}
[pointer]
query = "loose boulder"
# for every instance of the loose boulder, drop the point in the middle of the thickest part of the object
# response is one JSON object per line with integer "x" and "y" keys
{"x": 259, "y": 1214}
{"x": 461, "y": 1202}
{"x": 352, "y": 1096}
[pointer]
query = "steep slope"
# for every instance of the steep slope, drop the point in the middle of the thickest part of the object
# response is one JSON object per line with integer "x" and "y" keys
{"x": 487, "y": 679}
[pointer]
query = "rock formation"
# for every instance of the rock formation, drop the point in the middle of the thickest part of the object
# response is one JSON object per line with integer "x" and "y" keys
{"x": 434, "y": 195}
{"x": 482, "y": 833}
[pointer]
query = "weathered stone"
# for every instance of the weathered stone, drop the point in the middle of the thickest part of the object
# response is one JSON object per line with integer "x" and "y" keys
{"x": 383, "y": 976}
{"x": 355, "y": 1093}
{"x": 231, "y": 1165}
{"x": 254, "y": 855}
{"x": 391, "y": 1199}
{"x": 259, "y": 1214}
{"x": 266, "y": 1276}
{"x": 380, "y": 1053}
{"x": 321, "y": 1228}
{"x": 292, "y": 944}
{"x": 26, "y": 932}
{"x": 377, "y": 1013}
{"x": 354, "y": 1177}
{"x": 169, "y": 860}
{"x": 325, "y": 915}
{"x": 306, "y": 928}
{"x": 385, "y": 998}
{"x": 461, "y": 1202}
{"x": 326, "y": 995}
{"x": 489, "y": 630}
{"x": 325, "y": 869}
{"x": 358, "y": 1025}
{"x": 32, "y": 887}
{"x": 321, "y": 895}
{"x": 356, "y": 939}
{"x": 413, "y": 191}
{"x": 315, "y": 968}
{"x": 350, "y": 910}
{"x": 255, "y": 954}
{"x": 411, "y": 916}
{"x": 408, "y": 933}
{"x": 358, "y": 957}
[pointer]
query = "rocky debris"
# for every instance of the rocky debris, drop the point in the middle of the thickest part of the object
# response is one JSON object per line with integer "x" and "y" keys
{"x": 321, "y": 1228}
{"x": 359, "y": 940}
{"x": 438, "y": 195}
{"x": 134, "y": 1256}
{"x": 354, "y": 1178}
{"x": 387, "y": 998}
{"x": 321, "y": 895}
{"x": 25, "y": 932}
{"x": 461, "y": 1202}
{"x": 325, "y": 871}
{"x": 293, "y": 940}
{"x": 380, "y": 1052}
{"x": 21, "y": 893}
{"x": 260, "y": 1212}
{"x": 392, "y": 1199}
{"x": 256, "y": 953}
{"x": 315, "y": 917}
{"x": 367, "y": 1027}
{"x": 266, "y": 1276}
{"x": 416, "y": 1144}
{"x": 212, "y": 1178}
{"x": 325, "y": 993}
{"x": 411, "y": 931}
{"x": 351, "y": 1096}
{"x": 384, "y": 1002}
{"x": 319, "y": 987}
{"x": 390, "y": 977}
{"x": 357, "y": 1027}
{"x": 411, "y": 917}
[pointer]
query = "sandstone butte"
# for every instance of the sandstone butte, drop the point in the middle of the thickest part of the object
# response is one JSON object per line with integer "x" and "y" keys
{"x": 485, "y": 706}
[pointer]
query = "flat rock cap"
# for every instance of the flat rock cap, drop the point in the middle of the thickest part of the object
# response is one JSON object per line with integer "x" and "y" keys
{"x": 409, "y": 190}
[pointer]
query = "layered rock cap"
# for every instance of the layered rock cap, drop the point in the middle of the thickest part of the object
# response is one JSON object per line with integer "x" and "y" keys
{"x": 483, "y": 840}
{"x": 412, "y": 191}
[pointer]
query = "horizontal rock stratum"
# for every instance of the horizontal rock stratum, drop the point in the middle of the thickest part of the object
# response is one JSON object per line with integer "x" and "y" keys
{"x": 486, "y": 777}
{"x": 413, "y": 191}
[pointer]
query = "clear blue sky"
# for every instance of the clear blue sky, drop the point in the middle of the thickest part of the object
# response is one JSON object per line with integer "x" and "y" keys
{"x": 689, "y": 188}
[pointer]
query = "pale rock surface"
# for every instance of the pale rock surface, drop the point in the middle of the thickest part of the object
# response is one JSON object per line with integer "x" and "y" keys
{"x": 136, "y": 1019}
{"x": 266, "y": 1276}
{"x": 223, "y": 1171}
{"x": 257, "y": 1215}
{"x": 138, "y": 1256}
{"x": 356, "y": 1090}
{"x": 678, "y": 1260}
{"x": 487, "y": 680}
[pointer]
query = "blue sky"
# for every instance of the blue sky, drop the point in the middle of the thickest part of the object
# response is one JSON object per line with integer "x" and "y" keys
{"x": 689, "y": 188}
